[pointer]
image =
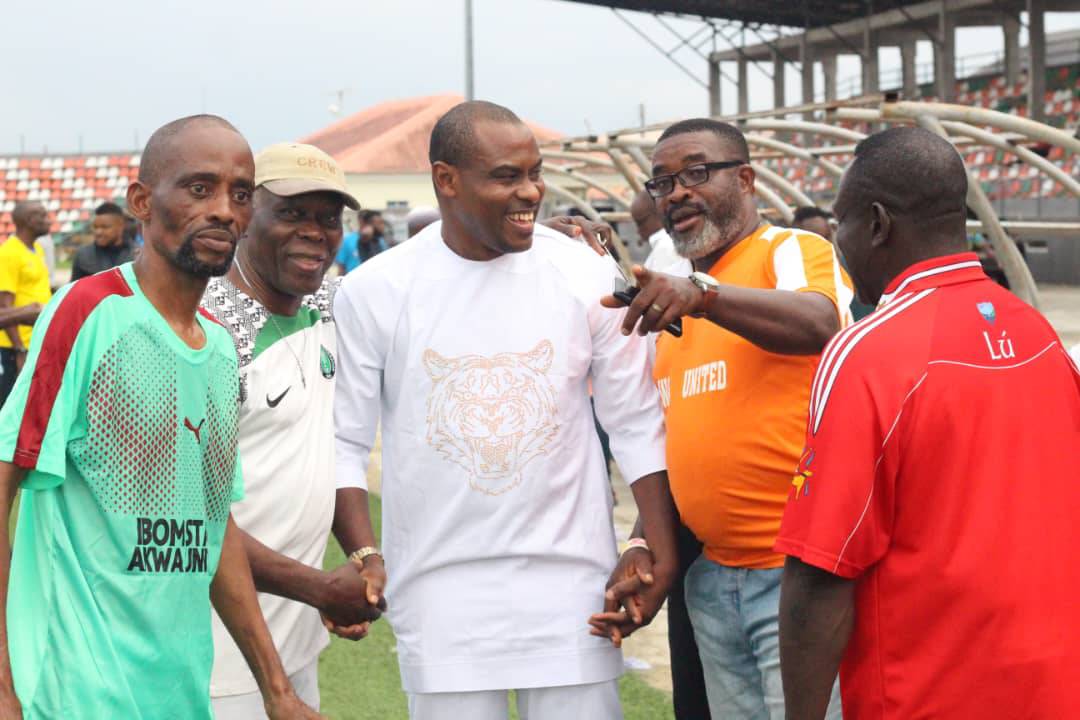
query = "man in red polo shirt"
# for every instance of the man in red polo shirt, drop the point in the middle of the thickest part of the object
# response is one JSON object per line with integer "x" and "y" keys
{"x": 930, "y": 520}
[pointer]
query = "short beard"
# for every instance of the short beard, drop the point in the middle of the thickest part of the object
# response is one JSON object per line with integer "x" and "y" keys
{"x": 712, "y": 236}
{"x": 185, "y": 260}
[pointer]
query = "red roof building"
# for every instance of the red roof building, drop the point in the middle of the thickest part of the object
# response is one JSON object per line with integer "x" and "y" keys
{"x": 392, "y": 137}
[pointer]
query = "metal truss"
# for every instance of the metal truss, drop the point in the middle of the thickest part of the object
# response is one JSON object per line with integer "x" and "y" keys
{"x": 706, "y": 34}
{"x": 623, "y": 153}
{"x": 693, "y": 42}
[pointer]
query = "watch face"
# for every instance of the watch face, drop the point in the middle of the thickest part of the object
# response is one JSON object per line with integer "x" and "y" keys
{"x": 704, "y": 281}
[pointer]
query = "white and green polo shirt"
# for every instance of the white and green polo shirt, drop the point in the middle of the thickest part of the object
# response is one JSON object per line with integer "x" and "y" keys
{"x": 287, "y": 366}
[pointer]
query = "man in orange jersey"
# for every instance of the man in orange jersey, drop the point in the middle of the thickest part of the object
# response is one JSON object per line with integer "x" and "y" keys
{"x": 762, "y": 303}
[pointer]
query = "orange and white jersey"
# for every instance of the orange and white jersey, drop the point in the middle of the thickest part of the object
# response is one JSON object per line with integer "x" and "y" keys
{"x": 736, "y": 414}
{"x": 799, "y": 262}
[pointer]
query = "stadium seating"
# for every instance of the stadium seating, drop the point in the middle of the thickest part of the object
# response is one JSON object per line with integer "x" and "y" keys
{"x": 70, "y": 186}
{"x": 1062, "y": 98}
{"x": 1000, "y": 173}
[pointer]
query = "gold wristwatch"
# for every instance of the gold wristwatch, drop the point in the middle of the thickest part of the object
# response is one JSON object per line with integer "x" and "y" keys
{"x": 359, "y": 555}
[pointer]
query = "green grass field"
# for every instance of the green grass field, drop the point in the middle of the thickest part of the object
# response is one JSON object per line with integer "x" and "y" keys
{"x": 359, "y": 681}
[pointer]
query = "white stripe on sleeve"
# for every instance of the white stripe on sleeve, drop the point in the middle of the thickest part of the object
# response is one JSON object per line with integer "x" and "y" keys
{"x": 849, "y": 340}
{"x": 788, "y": 264}
{"x": 844, "y": 295}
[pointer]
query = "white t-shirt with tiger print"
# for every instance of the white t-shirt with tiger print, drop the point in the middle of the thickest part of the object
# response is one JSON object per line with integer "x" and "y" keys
{"x": 497, "y": 525}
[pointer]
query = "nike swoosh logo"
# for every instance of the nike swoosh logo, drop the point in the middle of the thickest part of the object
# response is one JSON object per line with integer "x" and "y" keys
{"x": 274, "y": 403}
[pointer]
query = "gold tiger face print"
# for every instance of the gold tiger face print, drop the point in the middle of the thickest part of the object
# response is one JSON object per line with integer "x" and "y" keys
{"x": 492, "y": 415}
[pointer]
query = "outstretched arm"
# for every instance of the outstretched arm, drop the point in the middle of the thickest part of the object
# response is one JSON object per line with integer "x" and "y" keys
{"x": 779, "y": 321}
{"x": 233, "y": 595}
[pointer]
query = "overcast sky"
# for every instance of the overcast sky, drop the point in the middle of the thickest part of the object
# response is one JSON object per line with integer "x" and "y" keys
{"x": 108, "y": 73}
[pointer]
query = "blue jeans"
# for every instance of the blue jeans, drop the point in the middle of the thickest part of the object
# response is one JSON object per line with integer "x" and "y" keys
{"x": 735, "y": 614}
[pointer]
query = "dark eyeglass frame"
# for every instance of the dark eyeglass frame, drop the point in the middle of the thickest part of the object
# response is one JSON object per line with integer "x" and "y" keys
{"x": 651, "y": 185}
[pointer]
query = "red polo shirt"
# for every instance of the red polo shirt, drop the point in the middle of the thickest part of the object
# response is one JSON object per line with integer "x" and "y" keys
{"x": 941, "y": 473}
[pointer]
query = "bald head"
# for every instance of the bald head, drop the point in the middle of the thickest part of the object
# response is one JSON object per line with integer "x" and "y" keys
{"x": 419, "y": 218}
{"x": 24, "y": 211}
{"x": 453, "y": 139}
{"x": 901, "y": 201}
{"x": 31, "y": 220}
{"x": 914, "y": 172}
{"x": 162, "y": 145}
{"x": 645, "y": 216}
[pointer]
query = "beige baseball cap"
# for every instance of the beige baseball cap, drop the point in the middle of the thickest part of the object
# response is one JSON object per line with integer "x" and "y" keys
{"x": 288, "y": 169}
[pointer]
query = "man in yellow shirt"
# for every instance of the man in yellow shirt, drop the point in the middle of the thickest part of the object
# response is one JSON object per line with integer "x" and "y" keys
{"x": 24, "y": 284}
{"x": 757, "y": 312}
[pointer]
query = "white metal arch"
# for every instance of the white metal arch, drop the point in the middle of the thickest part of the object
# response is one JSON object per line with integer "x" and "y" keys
{"x": 958, "y": 123}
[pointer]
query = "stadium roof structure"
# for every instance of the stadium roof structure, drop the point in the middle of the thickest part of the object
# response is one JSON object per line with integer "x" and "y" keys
{"x": 790, "y": 13}
{"x": 805, "y": 33}
{"x": 392, "y": 137}
{"x": 805, "y": 13}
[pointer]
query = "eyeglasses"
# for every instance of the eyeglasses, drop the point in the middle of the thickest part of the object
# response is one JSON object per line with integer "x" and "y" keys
{"x": 662, "y": 185}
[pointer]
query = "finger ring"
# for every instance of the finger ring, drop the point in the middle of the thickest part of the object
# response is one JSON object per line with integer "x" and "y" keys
{"x": 659, "y": 310}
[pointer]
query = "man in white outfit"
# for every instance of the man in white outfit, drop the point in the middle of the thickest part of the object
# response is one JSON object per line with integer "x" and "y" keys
{"x": 475, "y": 343}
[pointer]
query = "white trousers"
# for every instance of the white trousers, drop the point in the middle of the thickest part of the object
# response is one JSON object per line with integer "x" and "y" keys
{"x": 305, "y": 682}
{"x": 596, "y": 701}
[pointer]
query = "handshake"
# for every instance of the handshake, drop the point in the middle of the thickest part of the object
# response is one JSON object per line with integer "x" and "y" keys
{"x": 350, "y": 597}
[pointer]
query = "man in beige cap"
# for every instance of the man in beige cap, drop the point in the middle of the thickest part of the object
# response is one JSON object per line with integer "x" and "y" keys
{"x": 276, "y": 303}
